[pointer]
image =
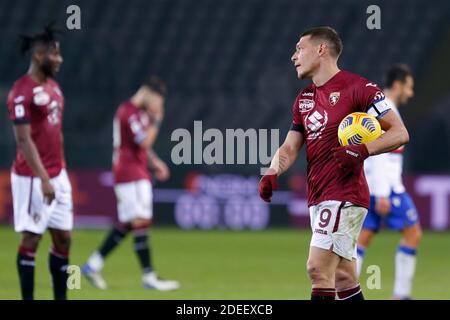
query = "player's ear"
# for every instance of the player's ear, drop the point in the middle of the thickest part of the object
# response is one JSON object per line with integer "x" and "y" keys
{"x": 38, "y": 56}
{"x": 396, "y": 85}
{"x": 321, "y": 49}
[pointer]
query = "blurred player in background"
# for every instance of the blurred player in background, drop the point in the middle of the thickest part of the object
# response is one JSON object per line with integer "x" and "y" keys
{"x": 338, "y": 195}
{"x": 135, "y": 128}
{"x": 389, "y": 200}
{"x": 41, "y": 189}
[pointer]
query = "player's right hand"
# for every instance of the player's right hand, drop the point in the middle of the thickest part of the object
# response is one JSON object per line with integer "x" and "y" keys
{"x": 156, "y": 111}
{"x": 382, "y": 206}
{"x": 350, "y": 158}
{"x": 267, "y": 184}
{"x": 48, "y": 191}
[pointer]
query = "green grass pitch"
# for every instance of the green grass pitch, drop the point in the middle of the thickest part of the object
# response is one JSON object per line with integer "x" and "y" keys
{"x": 225, "y": 265}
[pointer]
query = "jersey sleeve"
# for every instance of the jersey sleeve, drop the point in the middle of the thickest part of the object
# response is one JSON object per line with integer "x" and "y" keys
{"x": 371, "y": 99}
{"x": 297, "y": 124}
{"x": 136, "y": 129}
{"x": 19, "y": 105}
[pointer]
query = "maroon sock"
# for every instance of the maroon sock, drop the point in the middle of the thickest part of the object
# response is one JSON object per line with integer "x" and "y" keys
{"x": 323, "y": 294}
{"x": 354, "y": 293}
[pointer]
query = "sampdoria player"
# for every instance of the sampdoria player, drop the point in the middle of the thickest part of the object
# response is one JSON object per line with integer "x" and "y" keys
{"x": 338, "y": 195}
{"x": 41, "y": 189}
{"x": 389, "y": 200}
{"x": 135, "y": 128}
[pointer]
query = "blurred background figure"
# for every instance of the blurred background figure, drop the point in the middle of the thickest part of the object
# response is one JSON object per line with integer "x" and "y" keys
{"x": 41, "y": 189}
{"x": 390, "y": 201}
{"x": 136, "y": 127}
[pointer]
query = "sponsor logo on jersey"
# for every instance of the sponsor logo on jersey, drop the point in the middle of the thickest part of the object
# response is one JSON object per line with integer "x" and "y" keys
{"x": 378, "y": 96}
{"x": 58, "y": 91}
{"x": 307, "y": 94}
{"x": 315, "y": 123}
{"x": 371, "y": 84}
{"x": 53, "y": 114}
{"x": 334, "y": 98}
{"x": 19, "y": 99}
{"x": 321, "y": 231}
{"x": 38, "y": 89}
{"x": 36, "y": 217}
{"x": 305, "y": 105}
{"x": 41, "y": 98}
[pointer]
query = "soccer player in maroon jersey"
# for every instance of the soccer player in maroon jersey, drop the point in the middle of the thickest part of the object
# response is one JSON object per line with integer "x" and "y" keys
{"x": 135, "y": 129}
{"x": 338, "y": 195}
{"x": 41, "y": 189}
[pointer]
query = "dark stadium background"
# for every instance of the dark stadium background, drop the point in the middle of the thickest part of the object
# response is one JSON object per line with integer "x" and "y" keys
{"x": 226, "y": 63}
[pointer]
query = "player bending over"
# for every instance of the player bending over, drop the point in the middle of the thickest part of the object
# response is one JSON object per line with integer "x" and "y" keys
{"x": 389, "y": 200}
{"x": 338, "y": 195}
{"x": 135, "y": 128}
{"x": 41, "y": 191}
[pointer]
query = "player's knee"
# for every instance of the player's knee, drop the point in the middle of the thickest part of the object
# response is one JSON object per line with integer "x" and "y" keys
{"x": 413, "y": 237}
{"x": 365, "y": 237}
{"x": 140, "y": 224}
{"x": 418, "y": 235}
{"x": 30, "y": 240}
{"x": 317, "y": 274}
{"x": 62, "y": 243}
{"x": 345, "y": 279}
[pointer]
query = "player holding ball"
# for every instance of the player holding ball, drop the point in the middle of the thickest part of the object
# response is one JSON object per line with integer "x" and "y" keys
{"x": 338, "y": 195}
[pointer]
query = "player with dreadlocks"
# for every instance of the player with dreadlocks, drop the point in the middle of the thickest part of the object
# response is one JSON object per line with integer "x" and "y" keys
{"x": 41, "y": 189}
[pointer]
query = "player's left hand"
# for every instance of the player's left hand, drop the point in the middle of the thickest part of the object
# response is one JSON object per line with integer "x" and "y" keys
{"x": 267, "y": 185}
{"x": 161, "y": 170}
{"x": 382, "y": 206}
{"x": 350, "y": 158}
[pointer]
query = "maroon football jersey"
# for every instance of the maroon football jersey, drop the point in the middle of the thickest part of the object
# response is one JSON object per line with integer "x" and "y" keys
{"x": 317, "y": 113}
{"x": 129, "y": 129}
{"x": 41, "y": 106}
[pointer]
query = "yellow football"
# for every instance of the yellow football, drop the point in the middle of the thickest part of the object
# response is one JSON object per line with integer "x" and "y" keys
{"x": 358, "y": 128}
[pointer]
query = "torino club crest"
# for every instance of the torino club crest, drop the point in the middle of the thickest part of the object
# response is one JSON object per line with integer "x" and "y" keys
{"x": 334, "y": 98}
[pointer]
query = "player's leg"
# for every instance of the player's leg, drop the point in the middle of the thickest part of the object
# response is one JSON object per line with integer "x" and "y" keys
{"x": 321, "y": 268}
{"x": 141, "y": 225}
{"x": 404, "y": 217}
{"x": 347, "y": 284}
{"x": 126, "y": 203}
{"x": 26, "y": 263}
{"x": 405, "y": 261}
{"x": 113, "y": 239}
{"x": 30, "y": 219}
{"x": 140, "y": 231}
{"x": 60, "y": 225}
{"x": 347, "y": 227}
{"x": 58, "y": 261}
{"x": 370, "y": 227}
{"x": 364, "y": 239}
{"x": 333, "y": 238}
